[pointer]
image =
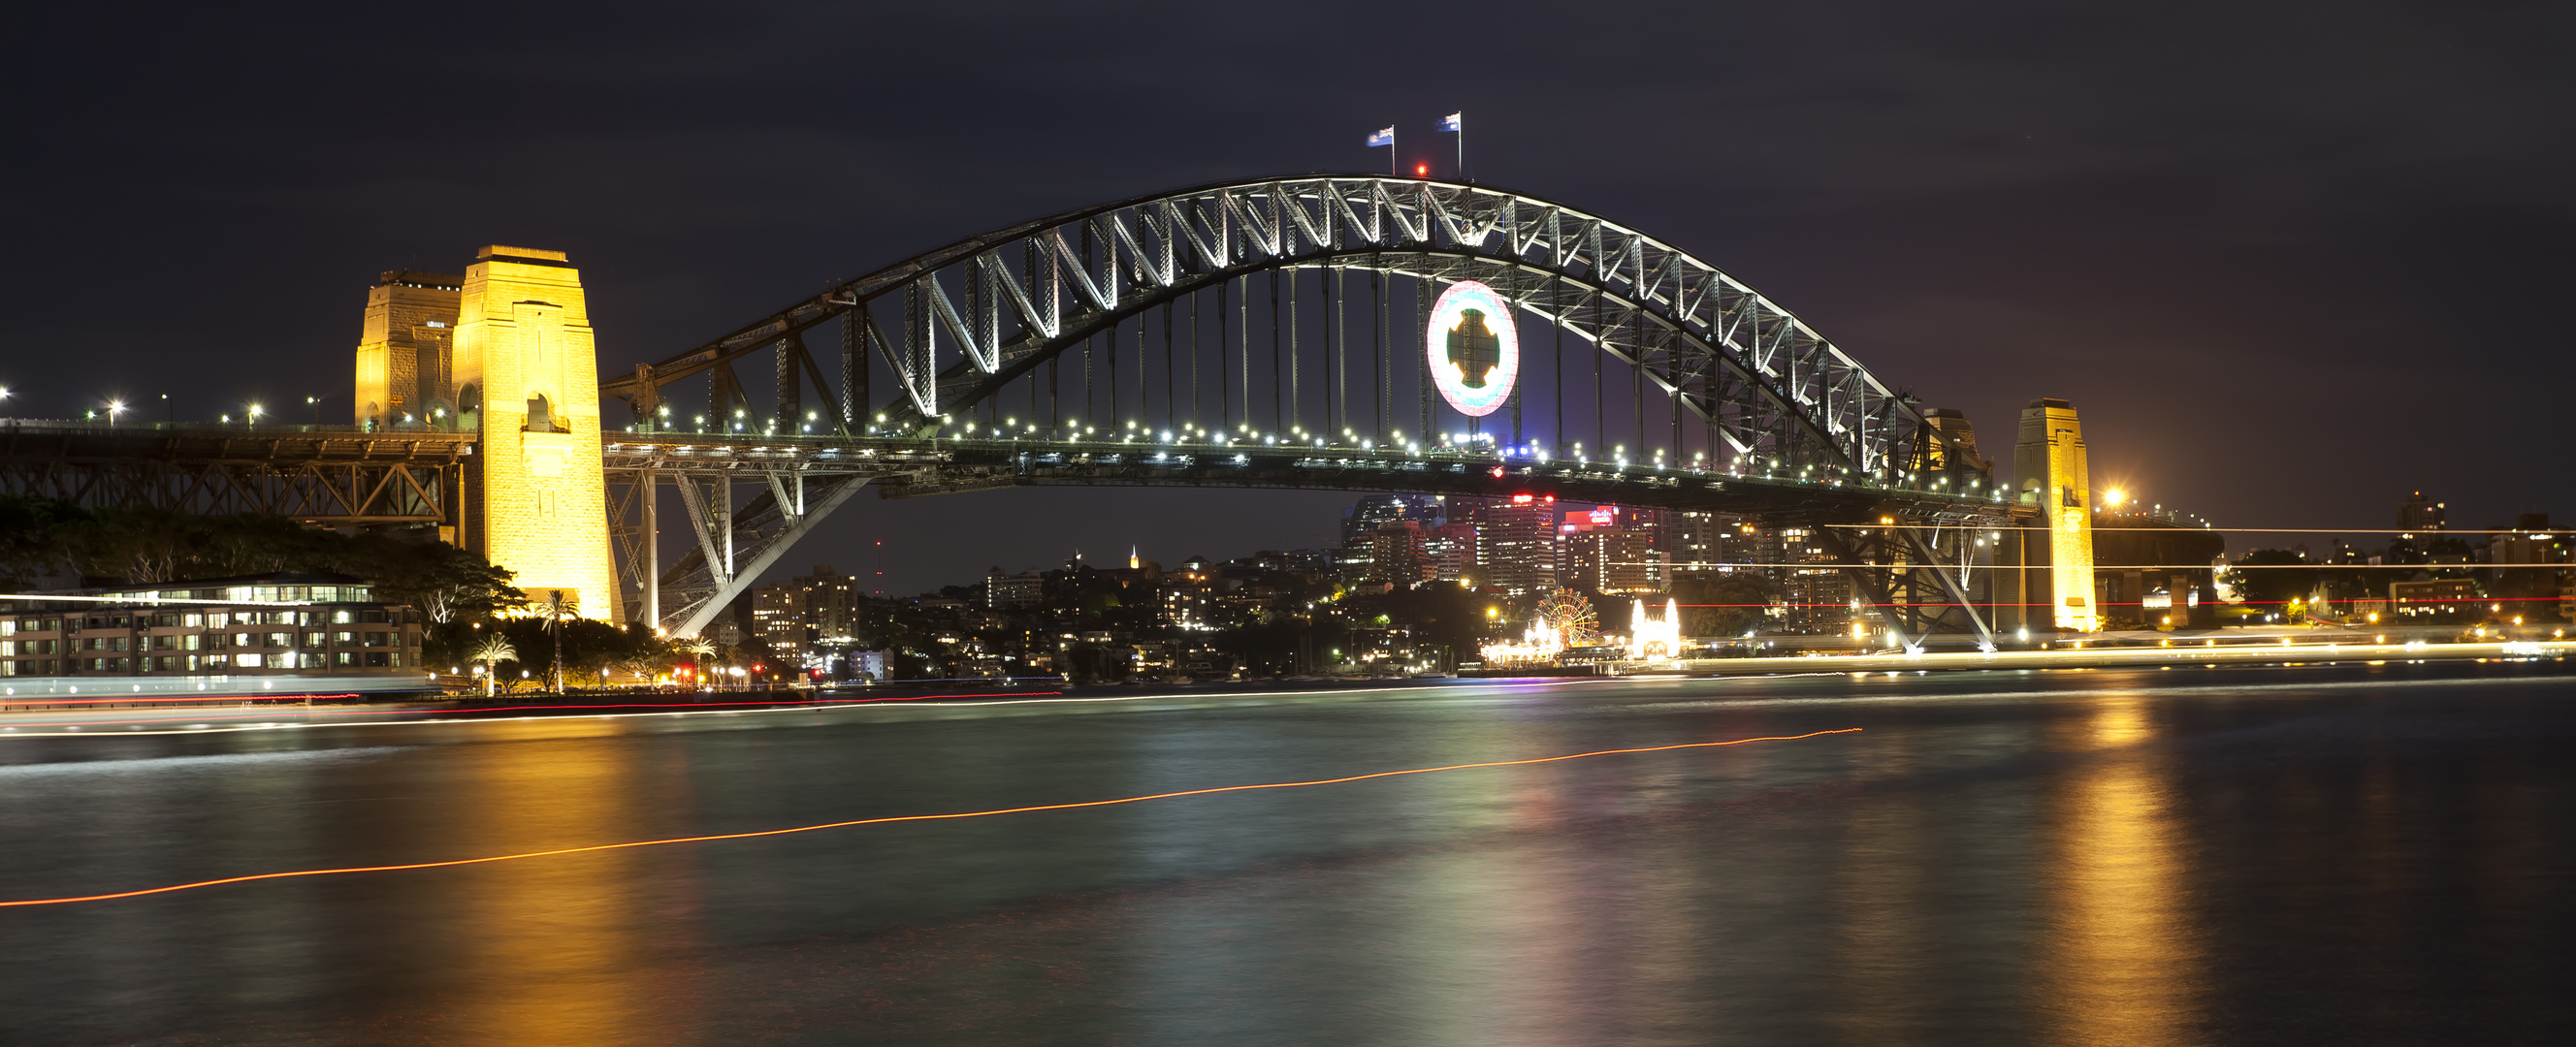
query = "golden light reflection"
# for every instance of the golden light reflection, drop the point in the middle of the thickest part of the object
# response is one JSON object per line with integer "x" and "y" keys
{"x": 2121, "y": 962}
{"x": 550, "y": 942}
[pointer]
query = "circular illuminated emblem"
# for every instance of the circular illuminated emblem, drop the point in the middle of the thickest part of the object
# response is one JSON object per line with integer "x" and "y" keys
{"x": 1475, "y": 351}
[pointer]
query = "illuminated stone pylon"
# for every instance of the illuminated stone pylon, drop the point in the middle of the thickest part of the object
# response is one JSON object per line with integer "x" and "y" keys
{"x": 2048, "y": 462}
{"x": 525, "y": 370}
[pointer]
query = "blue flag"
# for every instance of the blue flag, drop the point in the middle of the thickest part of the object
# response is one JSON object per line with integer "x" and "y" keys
{"x": 1451, "y": 123}
{"x": 1385, "y": 137}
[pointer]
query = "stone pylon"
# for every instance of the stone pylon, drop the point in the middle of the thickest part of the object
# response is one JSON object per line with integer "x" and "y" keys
{"x": 526, "y": 370}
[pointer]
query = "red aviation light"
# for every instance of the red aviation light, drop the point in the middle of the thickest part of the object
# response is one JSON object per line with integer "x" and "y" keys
{"x": 1422, "y": 170}
{"x": 1498, "y": 472}
{"x": 1550, "y": 499}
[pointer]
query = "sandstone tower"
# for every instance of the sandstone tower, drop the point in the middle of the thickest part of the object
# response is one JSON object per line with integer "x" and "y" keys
{"x": 404, "y": 350}
{"x": 526, "y": 373}
{"x": 2048, "y": 463}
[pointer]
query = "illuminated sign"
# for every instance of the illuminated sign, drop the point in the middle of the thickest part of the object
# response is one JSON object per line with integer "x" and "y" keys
{"x": 1475, "y": 350}
{"x": 1605, "y": 516}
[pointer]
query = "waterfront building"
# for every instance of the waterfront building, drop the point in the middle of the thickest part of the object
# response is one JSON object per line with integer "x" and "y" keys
{"x": 280, "y": 624}
{"x": 2429, "y": 597}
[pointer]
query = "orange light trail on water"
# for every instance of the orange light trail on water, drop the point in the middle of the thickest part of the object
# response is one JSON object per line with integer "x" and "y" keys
{"x": 292, "y": 874}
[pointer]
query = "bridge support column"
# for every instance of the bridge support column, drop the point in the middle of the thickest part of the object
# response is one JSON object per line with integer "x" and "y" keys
{"x": 652, "y": 551}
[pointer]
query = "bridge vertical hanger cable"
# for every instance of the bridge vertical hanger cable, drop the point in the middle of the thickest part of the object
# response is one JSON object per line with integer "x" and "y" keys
{"x": 1296, "y": 406}
{"x": 1224, "y": 357}
{"x": 1243, "y": 344}
{"x": 1422, "y": 287}
{"x": 1171, "y": 409}
{"x": 1338, "y": 418}
{"x": 1195, "y": 411}
{"x": 1376, "y": 348}
{"x": 1278, "y": 366}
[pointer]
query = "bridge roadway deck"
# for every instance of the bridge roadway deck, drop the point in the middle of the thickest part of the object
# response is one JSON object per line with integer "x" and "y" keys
{"x": 913, "y": 467}
{"x": 336, "y": 475}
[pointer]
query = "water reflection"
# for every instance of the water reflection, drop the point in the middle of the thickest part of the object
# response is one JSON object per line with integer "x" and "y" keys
{"x": 549, "y": 941}
{"x": 2120, "y": 963}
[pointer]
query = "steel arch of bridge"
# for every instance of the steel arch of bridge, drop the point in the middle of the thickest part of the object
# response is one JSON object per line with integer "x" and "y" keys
{"x": 1765, "y": 386}
{"x": 1763, "y": 381}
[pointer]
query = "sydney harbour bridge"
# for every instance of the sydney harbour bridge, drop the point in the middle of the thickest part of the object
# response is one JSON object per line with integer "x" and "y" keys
{"x": 1284, "y": 333}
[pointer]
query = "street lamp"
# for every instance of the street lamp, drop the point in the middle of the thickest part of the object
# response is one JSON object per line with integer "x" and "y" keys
{"x": 114, "y": 408}
{"x": 169, "y": 410}
{"x": 255, "y": 411}
{"x": 315, "y": 402}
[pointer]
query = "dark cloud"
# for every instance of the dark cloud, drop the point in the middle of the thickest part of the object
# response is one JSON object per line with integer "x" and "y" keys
{"x": 2290, "y": 260}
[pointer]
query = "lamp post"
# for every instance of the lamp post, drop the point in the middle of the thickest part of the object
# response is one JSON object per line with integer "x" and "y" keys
{"x": 315, "y": 402}
{"x": 114, "y": 408}
{"x": 255, "y": 411}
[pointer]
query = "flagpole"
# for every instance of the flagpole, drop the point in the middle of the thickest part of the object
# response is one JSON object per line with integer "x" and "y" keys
{"x": 1462, "y": 147}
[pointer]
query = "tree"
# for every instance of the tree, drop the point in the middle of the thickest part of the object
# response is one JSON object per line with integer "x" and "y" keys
{"x": 1728, "y": 604}
{"x": 445, "y": 582}
{"x": 492, "y": 650}
{"x": 2275, "y": 577}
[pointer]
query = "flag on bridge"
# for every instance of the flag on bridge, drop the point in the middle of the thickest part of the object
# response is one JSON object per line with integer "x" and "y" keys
{"x": 1451, "y": 122}
{"x": 1385, "y": 137}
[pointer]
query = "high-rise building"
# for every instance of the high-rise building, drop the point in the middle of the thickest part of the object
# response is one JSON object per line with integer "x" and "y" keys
{"x": 404, "y": 374}
{"x": 1360, "y": 521}
{"x": 2418, "y": 513}
{"x": 1610, "y": 550}
{"x": 526, "y": 369}
{"x": 1452, "y": 549}
{"x": 795, "y": 616}
{"x": 1816, "y": 599}
{"x": 1515, "y": 542}
{"x": 1399, "y": 553}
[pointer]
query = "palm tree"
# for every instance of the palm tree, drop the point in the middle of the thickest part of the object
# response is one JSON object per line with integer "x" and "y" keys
{"x": 492, "y": 651}
{"x": 556, "y": 612}
{"x": 699, "y": 650}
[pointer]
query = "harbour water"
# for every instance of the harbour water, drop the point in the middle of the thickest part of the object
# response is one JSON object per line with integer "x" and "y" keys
{"x": 2344, "y": 854}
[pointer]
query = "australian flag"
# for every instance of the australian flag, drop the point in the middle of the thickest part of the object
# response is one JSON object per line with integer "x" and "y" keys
{"x": 1385, "y": 137}
{"x": 1451, "y": 122}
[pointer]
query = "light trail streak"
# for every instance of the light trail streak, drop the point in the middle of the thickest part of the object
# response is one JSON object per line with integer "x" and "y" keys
{"x": 890, "y": 819}
{"x": 282, "y": 712}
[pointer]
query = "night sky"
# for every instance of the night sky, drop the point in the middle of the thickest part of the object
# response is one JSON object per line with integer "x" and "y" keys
{"x": 2288, "y": 262}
